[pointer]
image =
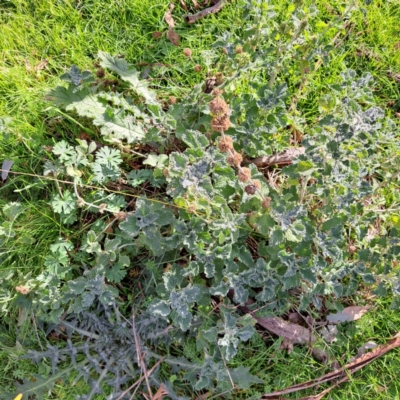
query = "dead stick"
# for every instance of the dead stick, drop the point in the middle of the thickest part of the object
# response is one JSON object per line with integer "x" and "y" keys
{"x": 139, "y": 381}
{"x": 284, "y": 158}
{"x": 344, "y": 372}
{"x": 191, "y": 19}
{"x": 140, "y": 356}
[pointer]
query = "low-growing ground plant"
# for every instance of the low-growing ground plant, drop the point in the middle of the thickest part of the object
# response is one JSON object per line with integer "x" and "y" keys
{"x": 182, "y": 223}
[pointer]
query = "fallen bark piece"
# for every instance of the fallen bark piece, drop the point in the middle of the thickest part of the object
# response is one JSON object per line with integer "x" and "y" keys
{"x": 348, "y": 314}
{"x": 293, "y": 333}
{"x": 284, "y": 158}
{"x": 342, "y": 373}
{"x": 191, "y": 19}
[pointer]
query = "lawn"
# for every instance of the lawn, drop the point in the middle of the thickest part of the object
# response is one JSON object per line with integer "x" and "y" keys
{"x": 54, "y": 231}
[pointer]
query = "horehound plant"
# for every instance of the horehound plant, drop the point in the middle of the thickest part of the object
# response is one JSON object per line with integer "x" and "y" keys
{"x": 220, "y": 123}
{"x": 194, "y": 230}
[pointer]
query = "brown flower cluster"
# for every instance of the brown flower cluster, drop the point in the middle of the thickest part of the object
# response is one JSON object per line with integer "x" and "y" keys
{"x": 244, "y": 174}
{"x": 218, "y": 106}
{"x": 266, "y": 202}
{"x": 239, "y": 50}
{"x": 121, "y": 216}
{"x": 172, "y": 100}
{"x": 187, "y": 52}
{"x": 22, "y": 289}
{"x": 220, "y": 123}
{"x": 234, "y": 159}
{"x": 220, "y": 112}
{"x": 225, "y": 144}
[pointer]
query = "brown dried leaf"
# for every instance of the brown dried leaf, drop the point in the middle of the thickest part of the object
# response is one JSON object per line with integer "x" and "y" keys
{"x": 173, "y": 37}
{"x": 156, "y": 34}
{"x": 183, "y": 5}
{"x": 204, "y": 396}
{"x": 168, "y": 16}
{"x": 348, "y": 314}
{"x": 294, "y": 317}
{"x": 159, "y": 395}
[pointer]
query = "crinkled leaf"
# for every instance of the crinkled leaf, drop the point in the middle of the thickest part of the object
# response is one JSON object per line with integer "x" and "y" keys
{"x": 129, "y": 74}
{"x": 160, "y": 308}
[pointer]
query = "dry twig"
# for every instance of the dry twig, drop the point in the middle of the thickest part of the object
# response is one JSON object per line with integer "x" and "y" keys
{"x": 140, "y": 356}
{"x": 140, "y": 380}
{"x": 343, "y": 374}
{"x": 191, "y": 19}
{"x": 280, "y": 159}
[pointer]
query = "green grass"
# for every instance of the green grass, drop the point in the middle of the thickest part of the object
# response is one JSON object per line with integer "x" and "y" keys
{"x": 72, "y": 32}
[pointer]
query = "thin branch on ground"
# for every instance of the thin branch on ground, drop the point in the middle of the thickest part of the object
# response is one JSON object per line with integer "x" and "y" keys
{"x": 191, "y": 19}
{"x": 140, "y": 380}
{"x": 343, "y": 374}
{"x": 140, "y": 355}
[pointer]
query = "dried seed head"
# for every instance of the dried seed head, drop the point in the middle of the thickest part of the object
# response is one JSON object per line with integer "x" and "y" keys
{"x": 352, "y": 249}
{"x": 22, "y": 289}
{"x": 217, "y": 92}
{"x": 234, "y": 159}
{"x": 225, "y": 143}
{"x": 257, "y": 183}
{"x": 192, "y": 208}
{"x": 218, "y": 106}
{"x": 121, "y": 216}
{"x": 187, "y": 52}
{"x": 250, "y": 189}
{"x": 172, "y": 100}
{"x": 220, "y": 123}
{"x": 100, "y": 73}
{"x": 239, "y": 49}
{"x": 80, "y": 202}
{"x": 102, "y": 207}
{"x": 244, "y": 174}
{"x": 266, "y": 202}
{"x": 198, "y": 68}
